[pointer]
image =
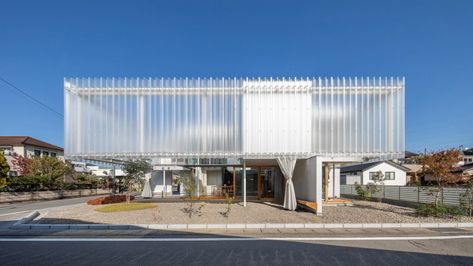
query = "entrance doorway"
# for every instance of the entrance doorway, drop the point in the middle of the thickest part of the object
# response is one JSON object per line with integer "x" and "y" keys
{"x": 266, "y": 183}
{"x": 261, "y": 182}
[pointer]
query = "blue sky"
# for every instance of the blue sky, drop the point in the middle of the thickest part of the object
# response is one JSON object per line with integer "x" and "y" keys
{"x": 428, "y": 42}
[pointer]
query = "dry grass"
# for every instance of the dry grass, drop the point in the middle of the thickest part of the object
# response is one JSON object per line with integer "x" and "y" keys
{"x": 125, "y": 207}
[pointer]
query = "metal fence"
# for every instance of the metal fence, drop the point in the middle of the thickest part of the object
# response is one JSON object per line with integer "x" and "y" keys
{"x": 449, "y": 196}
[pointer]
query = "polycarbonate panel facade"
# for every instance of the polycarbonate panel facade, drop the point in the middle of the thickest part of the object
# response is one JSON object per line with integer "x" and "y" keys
{"x": 234, "y": 118}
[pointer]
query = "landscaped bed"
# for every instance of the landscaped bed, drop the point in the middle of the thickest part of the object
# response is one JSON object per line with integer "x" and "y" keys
{"x": 126, "y": 207}
{"x": 255, "y": 212}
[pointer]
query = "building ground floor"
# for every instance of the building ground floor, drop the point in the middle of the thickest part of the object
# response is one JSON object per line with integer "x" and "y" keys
{"x": 315, "y": 180}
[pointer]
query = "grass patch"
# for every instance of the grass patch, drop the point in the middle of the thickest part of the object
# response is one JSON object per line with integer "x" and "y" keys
{"x": 125, "y": 207}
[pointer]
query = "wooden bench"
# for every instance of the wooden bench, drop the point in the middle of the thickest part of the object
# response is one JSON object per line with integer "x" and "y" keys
{"x": 307, "y": 205}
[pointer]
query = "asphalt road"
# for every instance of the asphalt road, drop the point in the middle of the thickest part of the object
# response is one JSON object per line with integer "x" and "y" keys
{"x": 183, "y": 248}
{"x": 12, "y": 212}
{"x": 19, "y": 207}
{"x": 261, "y": 252}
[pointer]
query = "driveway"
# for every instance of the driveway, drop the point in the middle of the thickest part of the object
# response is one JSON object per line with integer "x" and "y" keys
{"x": 10, "y": 212}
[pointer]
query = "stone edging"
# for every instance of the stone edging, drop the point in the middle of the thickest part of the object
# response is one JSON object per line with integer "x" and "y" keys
{"x": 24, "y": 224}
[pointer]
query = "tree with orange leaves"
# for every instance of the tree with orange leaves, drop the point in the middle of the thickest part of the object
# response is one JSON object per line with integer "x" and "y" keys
{"x": 439, "y": 165}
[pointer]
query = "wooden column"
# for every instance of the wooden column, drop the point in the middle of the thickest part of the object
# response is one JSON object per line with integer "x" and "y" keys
{"x": 234, "y": 182}
{"x": 326, "y": 181}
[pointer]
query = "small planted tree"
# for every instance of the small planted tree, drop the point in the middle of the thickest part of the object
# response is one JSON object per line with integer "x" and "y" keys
{"x": 466, "y": 198}
{"x": 439, "y": 166}
{"x": 378, "y": 181}
{"x": 190, "y": 191}
{"x": 135, "y": 172}
{"x": 229, "y": 202}
{"x": 367, "y": 191}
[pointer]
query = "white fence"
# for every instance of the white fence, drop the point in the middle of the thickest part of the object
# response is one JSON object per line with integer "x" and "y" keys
{"x": 450, "y": 196}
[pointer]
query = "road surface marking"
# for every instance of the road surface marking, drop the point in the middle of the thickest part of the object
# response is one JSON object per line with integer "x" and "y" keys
{"x": 197, "y": 239}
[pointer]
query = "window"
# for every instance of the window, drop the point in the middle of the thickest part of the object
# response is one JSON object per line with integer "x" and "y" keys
{"x": 37, "y": 153}
{"x": 372, "y": 174}
{"x": 13, "y": 173}
{"x": 45, "y": 153}
{"x": 389, "y": 176}
{"x": 53, "y": 154}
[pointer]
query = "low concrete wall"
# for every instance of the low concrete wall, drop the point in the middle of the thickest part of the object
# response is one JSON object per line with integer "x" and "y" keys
{"x": 6, "y": 197}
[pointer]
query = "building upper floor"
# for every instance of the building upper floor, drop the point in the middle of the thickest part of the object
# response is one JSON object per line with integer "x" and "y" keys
{"x": 234, "y": 118}
{"x": 28, "y": 147}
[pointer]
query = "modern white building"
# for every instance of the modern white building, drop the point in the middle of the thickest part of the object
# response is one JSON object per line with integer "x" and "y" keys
{"x": 247, "y": 134}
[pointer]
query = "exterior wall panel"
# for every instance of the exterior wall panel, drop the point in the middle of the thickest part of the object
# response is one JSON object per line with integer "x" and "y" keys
{"x": 249, "y": 118}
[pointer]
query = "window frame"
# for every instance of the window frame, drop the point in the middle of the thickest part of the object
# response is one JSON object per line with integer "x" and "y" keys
{"x": 389, "y": 172}
{"x": 370, "y": 175}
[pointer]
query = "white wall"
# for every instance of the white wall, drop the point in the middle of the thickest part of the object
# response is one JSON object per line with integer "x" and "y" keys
{"x": 214, "y": 178}
{"x": 334, "y": 175}
{"x": 277, "y": 123}
{"x": 400, "y": 176}
{"x": 157, "y": 181}
{"x": 304, "y": 179}
{"x": 351, "y": 179}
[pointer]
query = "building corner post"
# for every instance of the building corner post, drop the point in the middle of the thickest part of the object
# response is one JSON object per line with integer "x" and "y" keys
{"x": 318, "y": 185}
{"x": 244, "y": 183}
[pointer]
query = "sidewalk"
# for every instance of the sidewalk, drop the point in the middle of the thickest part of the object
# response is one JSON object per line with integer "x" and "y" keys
{"x": 282, "y": 232}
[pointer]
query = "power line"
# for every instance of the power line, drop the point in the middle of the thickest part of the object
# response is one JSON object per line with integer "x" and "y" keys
{"x": 31, "y": 98}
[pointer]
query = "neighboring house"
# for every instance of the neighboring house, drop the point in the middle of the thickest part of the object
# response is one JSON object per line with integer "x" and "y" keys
{"x": 465, "y": 171}
{"x": 27, "y": 147}
{"x": 467, "y": 156}
{"x": 97, "y": 170}
{"x": 415, "y": 172}
{"x": 394, "y": 174}
{"x": 409, "y": 158}
{"x": 246, "y": 136}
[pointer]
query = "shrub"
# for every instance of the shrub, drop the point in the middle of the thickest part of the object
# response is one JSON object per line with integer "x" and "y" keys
{"x": 109, "y": 199}
{"x": 440, "y": 210}
{"x": 363, "y": 193}
{"x": 367, "y": 191}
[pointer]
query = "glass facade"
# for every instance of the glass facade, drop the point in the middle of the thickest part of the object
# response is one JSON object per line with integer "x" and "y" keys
{"x": 234, "y": 118}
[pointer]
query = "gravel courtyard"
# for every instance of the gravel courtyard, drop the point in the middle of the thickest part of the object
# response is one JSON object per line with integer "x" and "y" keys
{"x": 255, "y": 212}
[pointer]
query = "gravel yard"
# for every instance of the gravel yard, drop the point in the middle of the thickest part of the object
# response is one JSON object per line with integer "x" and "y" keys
{"x": 255, "y": 212}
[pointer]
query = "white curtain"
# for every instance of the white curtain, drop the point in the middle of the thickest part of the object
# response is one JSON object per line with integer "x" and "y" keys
{"x": 287, "y": 165}
{"x": 147, "y": 192}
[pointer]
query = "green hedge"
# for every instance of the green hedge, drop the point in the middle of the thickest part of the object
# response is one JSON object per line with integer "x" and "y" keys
{"x": 41, "y": 183}
{"x": 440, "y": 211}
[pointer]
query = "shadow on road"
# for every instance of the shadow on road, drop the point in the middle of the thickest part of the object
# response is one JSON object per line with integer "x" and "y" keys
{"x": 210, "y": 253}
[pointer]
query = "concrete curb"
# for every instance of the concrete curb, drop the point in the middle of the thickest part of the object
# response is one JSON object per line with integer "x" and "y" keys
{"x": 24, "y": 223}
{"x": 27, "y": 219}
{"x": 171, "y": 227}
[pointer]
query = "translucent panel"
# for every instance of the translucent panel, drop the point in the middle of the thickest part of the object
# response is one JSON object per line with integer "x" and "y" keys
{"x": 235, "y": 118}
